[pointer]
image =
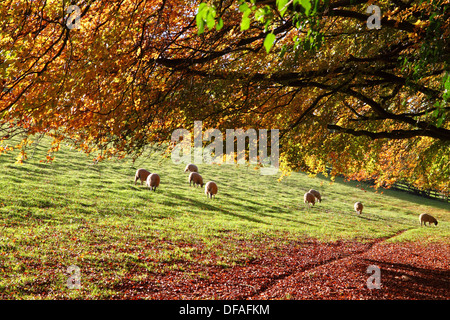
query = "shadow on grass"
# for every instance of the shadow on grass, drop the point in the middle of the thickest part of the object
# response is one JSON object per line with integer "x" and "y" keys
{"x": 209, "y": 206}
{"x": 413, "y": 282}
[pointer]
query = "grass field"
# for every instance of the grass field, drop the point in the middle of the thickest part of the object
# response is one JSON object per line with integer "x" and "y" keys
{"x": 71, "y": 212}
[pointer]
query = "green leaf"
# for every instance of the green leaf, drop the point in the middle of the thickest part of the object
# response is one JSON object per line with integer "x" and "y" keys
{"x": 267, "y": 25}
{"x": 447, "y": 82}
{"x": 260, "y": 15}
{"x": 281, "y": 5}
{"x": 283, "y": 51}
{"x": 245, "y": 22}
{"x": 439, "y": 121}
{"x": 316, "y": 6}
{"x": 200, "y": 24}
{"x": 201, "y": 7}
{"x": 268, "y": 41}
{"x": 306, "y": 4}
{"x": 243, "y": 7}
{"x": 219, "y": 24}
{"x": 436, "y": 112}
{"x": 199, "y": 17}
{"x": 210, "y": 21}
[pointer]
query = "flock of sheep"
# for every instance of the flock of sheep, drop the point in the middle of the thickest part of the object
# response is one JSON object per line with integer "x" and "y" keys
{"x": 152, "y": 181}
{"x": 310, "y": 199}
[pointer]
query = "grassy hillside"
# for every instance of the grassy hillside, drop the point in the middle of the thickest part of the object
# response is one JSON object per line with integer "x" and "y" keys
{"x": 71, "y": 212}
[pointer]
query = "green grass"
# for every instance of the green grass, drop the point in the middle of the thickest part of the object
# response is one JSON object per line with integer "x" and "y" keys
{"x": 71, "y": 212}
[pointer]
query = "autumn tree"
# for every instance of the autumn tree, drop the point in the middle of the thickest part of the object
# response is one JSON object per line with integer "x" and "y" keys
{"x": 370, "y": 103}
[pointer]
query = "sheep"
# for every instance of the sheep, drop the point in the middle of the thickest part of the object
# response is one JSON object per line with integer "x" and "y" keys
{"x": 141, "y": 174}
{"x": 191, "y": 168}
{"x": 153, "y": 181}
{"x": 211, "y": 189}
{"x": 309, "y": 198}
{"x": 196, "y": 178}
{"x": 358, "y": 207}
{"x": 425, "y": 217}
{"x": 316, "y": 194}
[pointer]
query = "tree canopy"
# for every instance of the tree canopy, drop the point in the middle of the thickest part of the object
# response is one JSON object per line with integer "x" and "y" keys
{"x": 372, "y": 103}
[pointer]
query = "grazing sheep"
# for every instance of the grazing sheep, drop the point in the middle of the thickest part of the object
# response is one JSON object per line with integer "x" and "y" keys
{"x": 153, "y": 181}
{"x": 196, "y": 178}
{"x": 211, "y": 189}
{"x": 359, "y": 207}
{"x": 191, "y": 168}
{"x": 316, "y": 194}
{"x": 309, "y": 198}
{"x": 141, "y": 174}
{"x": 425, "y": 217}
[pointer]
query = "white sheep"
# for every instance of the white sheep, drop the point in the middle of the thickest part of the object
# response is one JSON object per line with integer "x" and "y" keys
{"x": 153, "y": 181}
{"x": 141, "y": 174}
{"x": 425, "y": 217}
{"x": 211, "y": 189}
{"x": 316, "y": 194}
{"x": 196, "y": 178}
{"x": 358, "y": 207}
{"x": 191, "y": 168}
{"x": 309, "y": 199}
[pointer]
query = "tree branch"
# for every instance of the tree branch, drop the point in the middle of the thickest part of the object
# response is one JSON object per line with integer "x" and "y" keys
{"x": 394, "y": 134}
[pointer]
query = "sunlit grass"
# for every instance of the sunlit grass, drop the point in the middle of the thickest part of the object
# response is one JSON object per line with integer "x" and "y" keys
{"x": 72, "y": 212}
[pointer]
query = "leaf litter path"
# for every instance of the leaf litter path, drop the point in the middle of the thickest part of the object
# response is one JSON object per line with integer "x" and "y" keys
{"x": 310, "y": 270}
{"x": 408, "y": 271}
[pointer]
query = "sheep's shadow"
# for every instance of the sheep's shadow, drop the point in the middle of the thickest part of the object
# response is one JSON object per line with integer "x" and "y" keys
{"x": 268, "y": 206}
{"x": 268, "y": 215}
{"x": 360, "y": 216}
{"x": 174, "y": 198}
{"x": 211, "y": 207}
